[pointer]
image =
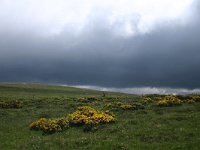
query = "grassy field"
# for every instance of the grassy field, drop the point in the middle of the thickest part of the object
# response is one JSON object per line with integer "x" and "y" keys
{"x": 150, "y": 127}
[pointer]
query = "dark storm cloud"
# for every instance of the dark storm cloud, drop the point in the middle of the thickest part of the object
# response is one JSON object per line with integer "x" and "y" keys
{"x": 169, "y": 56}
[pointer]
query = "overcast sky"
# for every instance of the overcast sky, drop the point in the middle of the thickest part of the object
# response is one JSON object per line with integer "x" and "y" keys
{"x": 107, "y": 43}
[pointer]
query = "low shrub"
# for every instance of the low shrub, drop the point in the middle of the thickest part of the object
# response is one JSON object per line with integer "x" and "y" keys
{"x": 82, "y": 99}
{"x": 50, "y": 125}
{"x": 190, "y": 101}
{"x": 195, "y": 98}
{"x": 147, "y": 100}
{"x": 91, "y": 98}
{"x": 169, "y": 101}
{"x": 87, "y": 99}
{"x": 11, "y": 104}
{"x": 86, "y": 115}
{"x": 124, "y": 106}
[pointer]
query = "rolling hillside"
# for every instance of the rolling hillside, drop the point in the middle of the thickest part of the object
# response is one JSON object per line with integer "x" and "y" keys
{"x": 139, "y": 122}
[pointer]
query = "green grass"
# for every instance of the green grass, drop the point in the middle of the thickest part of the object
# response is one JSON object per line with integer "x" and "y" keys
{"x": 151, "y": 128}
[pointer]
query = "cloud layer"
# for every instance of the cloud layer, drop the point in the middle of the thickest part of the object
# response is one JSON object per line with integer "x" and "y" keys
{"x": 115, "y": 44}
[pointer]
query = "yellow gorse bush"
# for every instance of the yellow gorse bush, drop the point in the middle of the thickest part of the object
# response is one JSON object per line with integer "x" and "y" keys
{"x": 124, "y": 106}
{"x": 11, "y": 104}
{"x": 195, "y": 98}
{"x": 88, "y": 115}
{"x": 191, "y": 99}
{"x": 50, "y": 125}
{"x": 84, "y": 115}
{"x": 82, "y": 99}
{"x": 169, "y": 101}
{"x": 147, "y": 100}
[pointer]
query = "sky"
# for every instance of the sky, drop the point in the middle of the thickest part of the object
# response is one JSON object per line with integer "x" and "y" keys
{"x": 130, "y": 45}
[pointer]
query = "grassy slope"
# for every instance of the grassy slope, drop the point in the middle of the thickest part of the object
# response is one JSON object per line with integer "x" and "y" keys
{"x": 151, "y": 128}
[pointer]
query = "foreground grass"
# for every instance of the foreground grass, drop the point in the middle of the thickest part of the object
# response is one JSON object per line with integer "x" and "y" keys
{"x": 153, "y": 128}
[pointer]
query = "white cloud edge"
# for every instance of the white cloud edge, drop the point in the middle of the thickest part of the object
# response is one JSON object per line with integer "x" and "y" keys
{"x": 141, "y": 90}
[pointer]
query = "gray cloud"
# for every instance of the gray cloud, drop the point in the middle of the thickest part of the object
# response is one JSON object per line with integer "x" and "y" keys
{"x": 168, "y": 56}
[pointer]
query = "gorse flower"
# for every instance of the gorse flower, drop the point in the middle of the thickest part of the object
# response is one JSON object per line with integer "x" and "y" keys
{"x": 89, "y": 115}
{"x": 50, "y": 125}
{"x": 169, "y": 101}
{"x": 84, "y": 115}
